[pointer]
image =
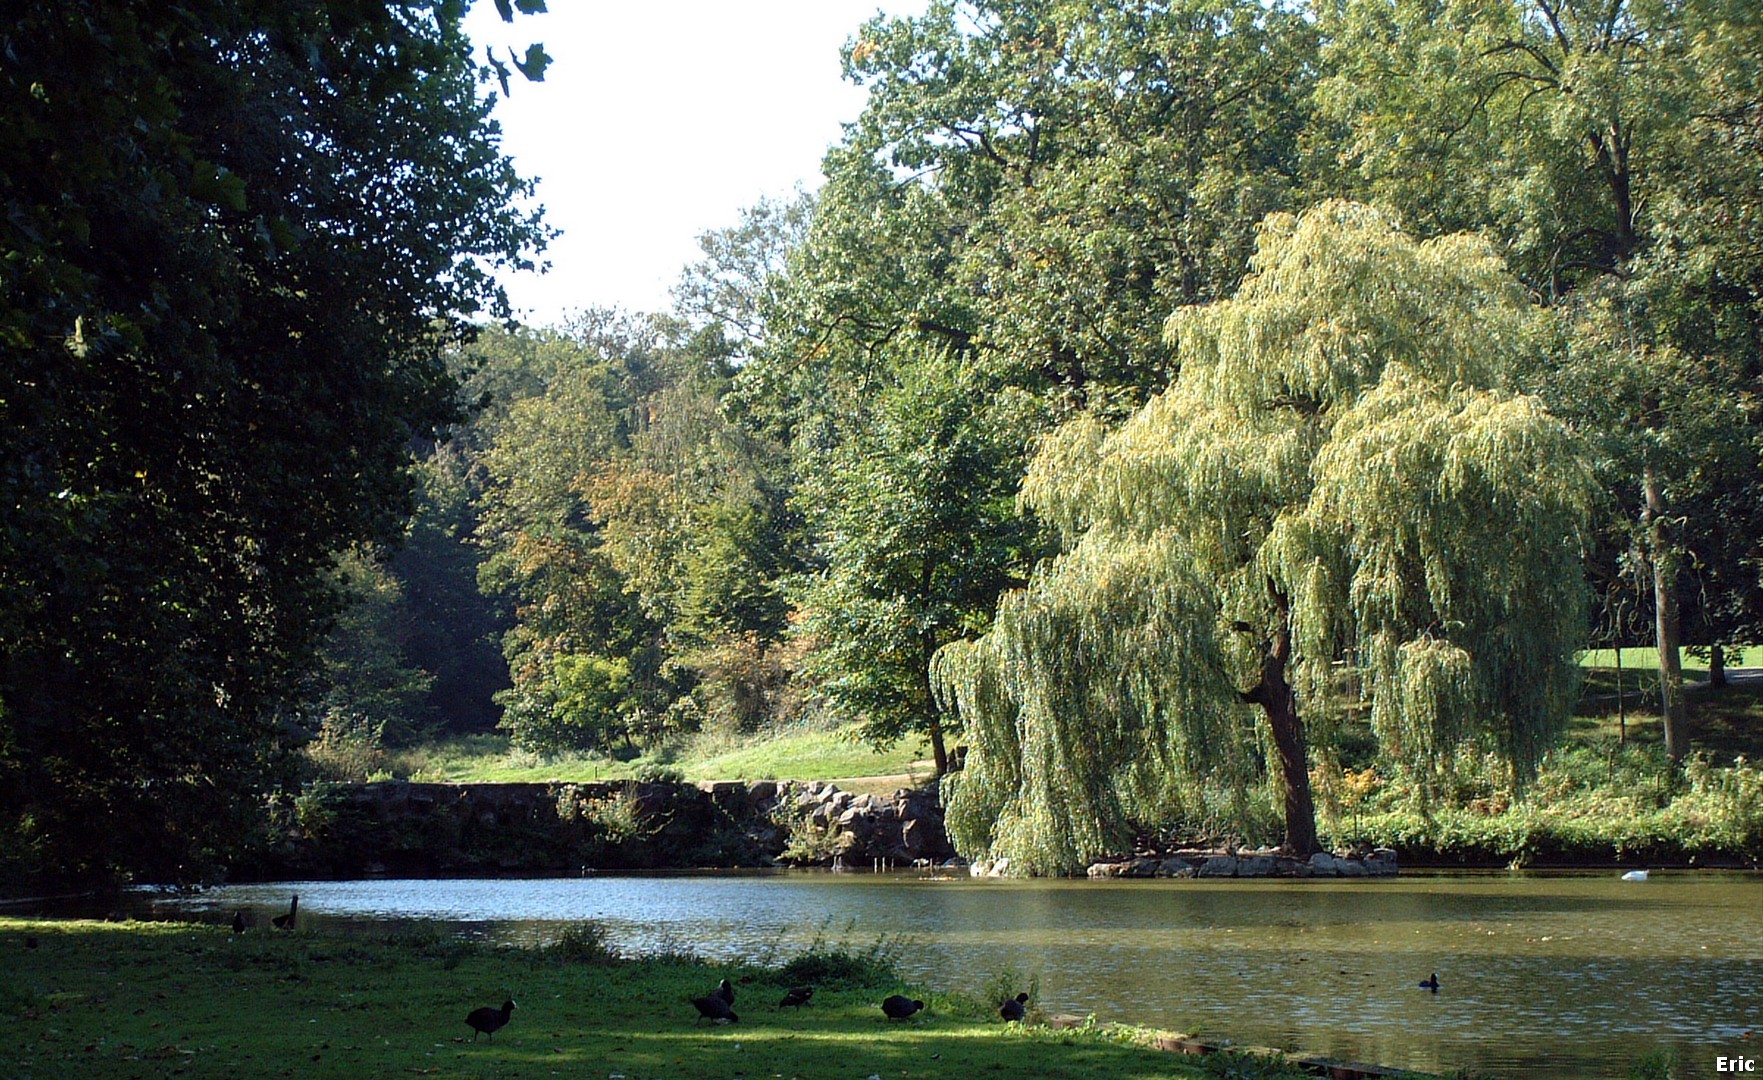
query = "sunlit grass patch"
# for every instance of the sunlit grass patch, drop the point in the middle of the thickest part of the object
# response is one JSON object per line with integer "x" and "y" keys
{"x": 792, "y": 755}
{"x": 102, "y": 1000}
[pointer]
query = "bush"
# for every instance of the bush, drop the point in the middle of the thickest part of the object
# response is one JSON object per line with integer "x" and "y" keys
{"x": 584, "y": 943}
{"x": 842, "y": 966}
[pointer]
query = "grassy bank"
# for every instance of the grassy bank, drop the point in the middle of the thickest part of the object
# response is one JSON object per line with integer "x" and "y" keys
{"x": 102, "y": 1000}
{"x": 798, "y": 755}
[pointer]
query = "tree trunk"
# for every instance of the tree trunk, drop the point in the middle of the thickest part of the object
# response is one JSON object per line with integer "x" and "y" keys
{"x": 1274, "y": 695}
{"x": 1673, "y": 710}
{"x": 938, "y": 754}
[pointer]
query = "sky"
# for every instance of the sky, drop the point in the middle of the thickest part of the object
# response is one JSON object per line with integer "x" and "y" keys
{"x": 659, "y": 121}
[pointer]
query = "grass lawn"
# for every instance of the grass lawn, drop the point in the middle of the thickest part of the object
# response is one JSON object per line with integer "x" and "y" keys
{"x": 808, "y": 755}
{"x": 1646, "y": 658}
{"x": 102, "y": 1000}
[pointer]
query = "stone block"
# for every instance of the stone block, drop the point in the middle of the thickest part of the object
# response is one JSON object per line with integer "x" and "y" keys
{"x": 1219, "y": 866}
{"x": 1255, "y": 865}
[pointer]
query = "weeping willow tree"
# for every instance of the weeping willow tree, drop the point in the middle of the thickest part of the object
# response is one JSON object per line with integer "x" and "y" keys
{"x": 1338, "y": 484}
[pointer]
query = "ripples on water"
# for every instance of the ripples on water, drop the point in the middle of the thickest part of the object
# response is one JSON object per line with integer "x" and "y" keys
{"x": 1542, "y": 975}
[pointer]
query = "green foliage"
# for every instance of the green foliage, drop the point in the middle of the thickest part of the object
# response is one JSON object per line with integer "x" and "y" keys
{"x": 840, "y": 965}
{"x": 1600, "y": 146}
{"x": 365, "y": 691}
{"x": 919, "y": 535}
{"x": 238, "y": 238}
{"x": 1048, "y": 179}
{"x": 1336, "y": 477}
{"x": 585, "y": 943}
{"x": 347, "y": 749}
{"x": 639, "y": 534}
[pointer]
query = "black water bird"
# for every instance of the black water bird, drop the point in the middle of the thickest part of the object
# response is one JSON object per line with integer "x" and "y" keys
{"x": 286, "y": 922}
{"x": 725, "y": 991}
{"x": 1014, "y": 1009}
{"x": 899, "y": 1008}
{"x": 713, "y": 1007}
{"x": 488, "y": 1021}
{"x": 1431, "y": 982}
{"x": 238, "y": 922}
{"x": 30, "y": 941}
{"x": 797, "y": 996}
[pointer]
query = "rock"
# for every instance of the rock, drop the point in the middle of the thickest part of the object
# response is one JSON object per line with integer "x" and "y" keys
{"x": 1324, "y": 864}
{"x": 1219, "y": 866}
{"x": 919, "y": 837}
{"x": 1255, "y": 865}
{"x": 1176, "y": 868}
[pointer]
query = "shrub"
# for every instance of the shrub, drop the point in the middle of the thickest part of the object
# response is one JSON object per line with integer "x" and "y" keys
{"x": 584, "y": 943}
{"x": 841, "y": 965}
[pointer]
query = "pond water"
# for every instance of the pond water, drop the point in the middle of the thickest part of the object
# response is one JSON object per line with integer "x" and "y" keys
{"x": 1541, "y": 975}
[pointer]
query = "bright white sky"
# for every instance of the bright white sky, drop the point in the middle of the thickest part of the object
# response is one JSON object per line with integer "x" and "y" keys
{"x": 659, "y": 120}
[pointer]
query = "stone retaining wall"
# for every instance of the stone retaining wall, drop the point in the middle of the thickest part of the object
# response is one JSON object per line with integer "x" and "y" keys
{"x": 414, "y": 829}
{"x": 426, "y": 830}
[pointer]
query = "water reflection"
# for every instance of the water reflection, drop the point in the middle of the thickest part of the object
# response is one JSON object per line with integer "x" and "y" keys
{"x": 1543, "y": 975}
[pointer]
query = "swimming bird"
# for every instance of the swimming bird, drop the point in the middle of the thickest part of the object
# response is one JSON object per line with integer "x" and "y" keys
{"x": 238, "y": 922}
{"x": 1635, "y": 875}
{"x": 286, "y": 922}
{"x": 1431, "y": 982}
{"x": 725, "y": 991}
{"x": 899, "y": 1008}
{"x": 797, "y": 996}
{"x": 488, "y": 1021}
{"x": 713, "y": 1007}
{"x": 1014, "y": 1009}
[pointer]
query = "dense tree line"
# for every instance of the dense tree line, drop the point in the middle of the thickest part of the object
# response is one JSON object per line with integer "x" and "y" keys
{"x": 988, "y": 495}
{"x": 1148, "y": 387}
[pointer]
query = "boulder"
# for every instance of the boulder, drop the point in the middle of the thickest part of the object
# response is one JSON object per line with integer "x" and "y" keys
{"x": 1219, "y": 866}
{"x": 1255, "y": 865}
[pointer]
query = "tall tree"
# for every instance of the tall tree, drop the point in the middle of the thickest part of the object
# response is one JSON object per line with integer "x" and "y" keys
{"x": 914, "y": 505}
{"x": 1337, "y": 475}
{"x": 237, "y": 238}
{"x": 579, "y": 638}
{"x": 1609, "y": 148}
{"x": 1047, "y": 179}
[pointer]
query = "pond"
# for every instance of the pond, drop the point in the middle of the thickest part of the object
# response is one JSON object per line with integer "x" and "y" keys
{"x": 1541, "y": 975}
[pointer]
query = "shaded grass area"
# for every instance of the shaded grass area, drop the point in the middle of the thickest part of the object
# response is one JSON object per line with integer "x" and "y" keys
{"x": 101, "y": 1000}
{"x": 1608, "y": 793}
{"x": 801, "y": 755}
{"x": 1725, "y": 723}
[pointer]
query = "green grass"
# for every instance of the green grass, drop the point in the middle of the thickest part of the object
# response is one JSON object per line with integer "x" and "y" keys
{"x": 1646, "y": 658}
{"x": 811, "y": 755}
{"x": 806, "y": 755}
{"x": 103, "y": 1000}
